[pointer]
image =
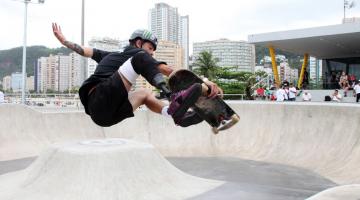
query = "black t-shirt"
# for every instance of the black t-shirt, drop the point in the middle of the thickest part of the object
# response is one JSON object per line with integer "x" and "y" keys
{"x": 109, "y": 63}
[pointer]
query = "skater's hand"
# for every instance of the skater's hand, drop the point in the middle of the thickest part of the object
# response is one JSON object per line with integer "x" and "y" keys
{"x": 58, "y": 34}
{"x": 214, "y": 88}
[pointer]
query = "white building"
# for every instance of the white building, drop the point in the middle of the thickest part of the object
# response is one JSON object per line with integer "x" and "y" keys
{"x": 64, "y": 73}
{"x": 123, "y": 44}
{"x": 238, "y": 54}
{"x": 6, "y": 83}
{"x": 268, "y": 70}
{"x": 351, "y": 20}
{"x": 16, "y": 81}
{"x": 30, "y": 85}
{"x": 59, "y": 73}
{"x": 287, "y": 73}
{"x": 315, "y": 69}
{"x": 106, "y": 44}
{"x": 184, "y": 39}
{"x": 76, "y": 72}
{"x": 166, "y": 23}
{"x": 52, "y": 73}
{"x": 41, "y": 74}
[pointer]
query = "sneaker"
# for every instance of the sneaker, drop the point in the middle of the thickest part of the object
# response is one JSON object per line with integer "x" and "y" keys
{"x": 189, "y": 118}
{"x": 183, "y": 100}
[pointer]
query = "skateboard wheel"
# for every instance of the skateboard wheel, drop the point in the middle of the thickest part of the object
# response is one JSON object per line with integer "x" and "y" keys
{"x": 215, "y": 130}
{"x": 235, "y": 117}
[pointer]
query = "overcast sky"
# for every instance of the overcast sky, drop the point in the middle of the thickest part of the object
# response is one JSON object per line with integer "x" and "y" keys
{"x": 209, "y": 20}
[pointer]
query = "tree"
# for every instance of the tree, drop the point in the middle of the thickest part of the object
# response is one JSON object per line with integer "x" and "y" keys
{"x": 206, "y": 65}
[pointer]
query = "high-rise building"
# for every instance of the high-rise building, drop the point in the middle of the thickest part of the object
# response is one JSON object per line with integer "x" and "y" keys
{"x": 351, "y": 20}
{"x": 59, "y": 73}
{"x": 52, "y": 73}
{"x": 315, "y": 69}
{"x": 76, "y": 72}
{"x": 184, "y": 38}
{"x": 41, "y": 74}
{"x": 106, "y": 44}
{"x": 166, "y": 23}
{"x": 142, "y": 83}
{"x": 16, "y": 81}
{"x": 287, "y": 73}
{"x": 64, "y": 73}
{"x": 6, "y": 83}
{"x": 171, "y": 53}
{"x": 30, "y": 84}
{"x": 229, "y": 53}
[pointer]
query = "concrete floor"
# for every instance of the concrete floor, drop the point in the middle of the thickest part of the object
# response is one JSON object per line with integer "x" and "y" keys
{"x": 245, "y": 179}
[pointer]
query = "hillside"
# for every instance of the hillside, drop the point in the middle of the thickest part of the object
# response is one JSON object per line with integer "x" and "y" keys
{"x": 294, "y": 59}
{"x": 11, "y": 59}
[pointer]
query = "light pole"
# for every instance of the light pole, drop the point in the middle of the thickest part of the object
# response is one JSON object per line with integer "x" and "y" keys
{"x": 26, "y": 2}
{"x": 348, "y": 5}
{"x": 83, "y": 59}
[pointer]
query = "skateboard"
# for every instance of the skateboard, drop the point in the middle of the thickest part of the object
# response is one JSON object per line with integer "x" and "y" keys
{"x": 214, "y": 111}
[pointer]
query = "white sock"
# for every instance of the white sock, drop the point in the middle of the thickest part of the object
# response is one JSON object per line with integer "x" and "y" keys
{"x": 164, "y": 111}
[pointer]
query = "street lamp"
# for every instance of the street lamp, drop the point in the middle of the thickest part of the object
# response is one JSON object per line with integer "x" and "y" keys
{"x": 26, "y": 2}
{"x": 348, "y": 5}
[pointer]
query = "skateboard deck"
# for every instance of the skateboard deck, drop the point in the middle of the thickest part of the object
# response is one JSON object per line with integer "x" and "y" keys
{"x": 214, "y": 111}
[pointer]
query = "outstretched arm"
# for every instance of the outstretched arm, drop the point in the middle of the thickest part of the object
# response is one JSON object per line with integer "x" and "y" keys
{"x": 165, "y": 69}
{"x": 84, "y": 51}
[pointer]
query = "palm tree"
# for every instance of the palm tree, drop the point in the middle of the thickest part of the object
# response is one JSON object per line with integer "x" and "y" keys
{"x": 206, "y": 65}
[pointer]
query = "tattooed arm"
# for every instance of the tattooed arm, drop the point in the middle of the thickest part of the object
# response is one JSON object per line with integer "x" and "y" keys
{"x": 84, "y": 51}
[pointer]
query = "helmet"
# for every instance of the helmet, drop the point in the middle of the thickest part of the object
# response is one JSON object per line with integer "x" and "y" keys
{"x": 144, "y": 35}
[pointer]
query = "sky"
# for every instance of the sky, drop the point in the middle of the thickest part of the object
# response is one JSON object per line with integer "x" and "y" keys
{"x": 209, "y": 20}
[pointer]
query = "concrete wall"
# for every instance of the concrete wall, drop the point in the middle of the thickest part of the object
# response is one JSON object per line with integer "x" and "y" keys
{"x": 322, "y": 137}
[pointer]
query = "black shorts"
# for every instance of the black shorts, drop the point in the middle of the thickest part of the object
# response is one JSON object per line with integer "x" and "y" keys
{"x": 108, "y": 103}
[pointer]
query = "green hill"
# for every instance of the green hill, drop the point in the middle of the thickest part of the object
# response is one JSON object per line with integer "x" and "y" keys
{"x": 11, "y": 59}
{"x": 294, "y": 59}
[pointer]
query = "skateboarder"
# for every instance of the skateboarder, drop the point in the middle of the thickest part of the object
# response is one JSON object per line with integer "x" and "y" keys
{"x": 105, "y": 94}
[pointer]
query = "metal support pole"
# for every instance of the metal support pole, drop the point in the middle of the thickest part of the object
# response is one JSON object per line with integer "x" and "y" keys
{"x": 24, "y": 56}
{"x": 303, "y": 69}
{"x": 83, "y": 59}
{"x": 344, "y": 9}
{"x": 274, "y": 65}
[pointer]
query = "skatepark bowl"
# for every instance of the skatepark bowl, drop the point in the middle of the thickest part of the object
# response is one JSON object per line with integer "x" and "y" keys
{"x": 278, "y": 151}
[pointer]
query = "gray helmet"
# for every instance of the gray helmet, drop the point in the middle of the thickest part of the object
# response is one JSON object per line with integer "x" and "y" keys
{"x": 144, "y": 35}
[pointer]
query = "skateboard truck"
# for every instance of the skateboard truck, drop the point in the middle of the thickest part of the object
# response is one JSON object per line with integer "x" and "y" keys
{"x": 225, "y": 124}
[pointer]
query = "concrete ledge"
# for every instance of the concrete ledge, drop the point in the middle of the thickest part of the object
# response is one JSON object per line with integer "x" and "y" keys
{"x": 107, "y": 169}
{"x": 345, "y": 192}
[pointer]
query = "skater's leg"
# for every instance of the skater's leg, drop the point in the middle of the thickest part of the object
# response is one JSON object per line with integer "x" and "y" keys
{"x": 145, "y": 97}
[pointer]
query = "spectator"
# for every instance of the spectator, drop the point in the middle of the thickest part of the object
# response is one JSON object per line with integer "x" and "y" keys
{"x": 343, "y": 80}
{"x": 344, "y": 83}
{"x": 2, "y": 98}
{"x": 280, "y": 94}
{"x": 285, "y": 83}
{"x": 268, "y": 93}
{"x": 357, "y": 91}
{"x": 352, "y": 79}
{"x": 286, "y": 89}
{"x": 292, "y": 92}
{"x": 306, "y": 96}
{"x": 336, "y": 96}
{"x": 260, "y": 92}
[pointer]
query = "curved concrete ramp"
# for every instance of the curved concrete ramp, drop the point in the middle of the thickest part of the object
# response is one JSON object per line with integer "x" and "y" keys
{"x": 321, "y": 137}
{"x": 26, "y": 132}
{"x": 108, "y": 169}
{"x": 345, "y": 192}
